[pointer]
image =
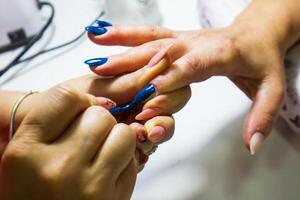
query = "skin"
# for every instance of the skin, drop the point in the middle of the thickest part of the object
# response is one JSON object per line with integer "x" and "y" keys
{"x": 41, "y": 157}
{"x": 39, "y": 162}
{"x": 250, "y": 52}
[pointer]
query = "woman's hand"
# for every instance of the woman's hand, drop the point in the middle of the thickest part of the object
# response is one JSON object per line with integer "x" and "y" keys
{"x": 69, "y": 147}
{"x": 250, "y": 53}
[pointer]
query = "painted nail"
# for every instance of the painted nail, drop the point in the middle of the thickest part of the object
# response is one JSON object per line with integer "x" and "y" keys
{"x": 256, "y": 142}
{"x": 159, "y": 56}
{"x": 157, "y": 134}
{"x": 103, "y": 23}
{"x": 106, "y": 103}
{"x": 144, "y": 94}
{"x": 95, "y": 30}
{"x": 94, "y": 62}
{"x": 147, "y": 114}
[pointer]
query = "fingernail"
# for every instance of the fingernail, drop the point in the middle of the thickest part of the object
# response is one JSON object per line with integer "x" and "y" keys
{"x": 256, "y": 142}
{"x": 110, "y": 104}
{"x": 95, "y": 30}
{"x": 94, "y": 62}
{"x": 157, "y": 57}
{"x": 106, "y": 103}
{"x": 140, "y": 135}
{"x": 157, "y": 134}
{"x": 103, "y": 23}
{"x": 147, "y": 114}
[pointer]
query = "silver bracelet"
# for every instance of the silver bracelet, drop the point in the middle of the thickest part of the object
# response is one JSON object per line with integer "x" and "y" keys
{"x": 14, "y": 111}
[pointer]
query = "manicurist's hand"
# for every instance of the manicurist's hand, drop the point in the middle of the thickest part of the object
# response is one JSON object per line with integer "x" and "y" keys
{"x": 69, "y": 147}
{"x": 250, "y": 53}
{"x": 151, "y": 129}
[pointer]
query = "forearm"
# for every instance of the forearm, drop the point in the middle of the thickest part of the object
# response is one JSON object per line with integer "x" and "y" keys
{"x": 277, "y": 21}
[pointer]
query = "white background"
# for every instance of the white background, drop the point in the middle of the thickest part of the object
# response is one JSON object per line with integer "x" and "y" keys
{"x": 203, "y": 157}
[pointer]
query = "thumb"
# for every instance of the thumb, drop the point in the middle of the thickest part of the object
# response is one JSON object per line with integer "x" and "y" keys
{"x": 263, "y": 113}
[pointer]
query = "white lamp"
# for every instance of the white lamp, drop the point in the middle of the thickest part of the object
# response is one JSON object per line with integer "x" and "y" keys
{"x": 19, "y": 21}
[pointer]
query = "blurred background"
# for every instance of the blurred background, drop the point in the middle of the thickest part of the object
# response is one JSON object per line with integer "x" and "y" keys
{"x": 206, "y": 158}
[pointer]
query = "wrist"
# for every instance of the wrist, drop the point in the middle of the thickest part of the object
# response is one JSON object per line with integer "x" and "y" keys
{"x": 270, "y": 22}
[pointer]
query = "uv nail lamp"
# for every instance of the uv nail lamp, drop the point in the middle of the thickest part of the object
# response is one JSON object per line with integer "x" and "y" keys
{"x": 20, "y": 20}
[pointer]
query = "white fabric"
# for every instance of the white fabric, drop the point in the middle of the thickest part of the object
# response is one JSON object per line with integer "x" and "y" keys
{"x": 219, "y": 13}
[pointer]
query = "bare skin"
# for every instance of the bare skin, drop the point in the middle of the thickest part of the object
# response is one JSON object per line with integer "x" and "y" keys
{"x": 42, "y": 158}
{"x": 249, "y": 52}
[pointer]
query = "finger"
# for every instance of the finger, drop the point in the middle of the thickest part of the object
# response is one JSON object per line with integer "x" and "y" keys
{"x": 87, "y": 133}
{"x": 140, "y": 132}
{"x": 116, "y": 153}
{"x": 160, "y": 129}
{"x": 192, "y": 67}
{"x": 131, "y": 35}
{"x": 120, "y": 89}
{"x": 263, "y": 113}
{"x": 138, "y": 57}
{"x": 165, "y": 104}
{"x": 143, "y": 145}
{"x": 60, "y": 106}
{"x": 127, "y": 179}
{"x": 129, "y": 61}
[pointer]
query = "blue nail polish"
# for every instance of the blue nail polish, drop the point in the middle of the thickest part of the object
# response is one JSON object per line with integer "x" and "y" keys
{"x": 144, "y": 94}
{"x": 103, "y": 23}
{"x": 94, "y": 62}
{"x": 139, "y": 98}
{"x": 96, "y": 30}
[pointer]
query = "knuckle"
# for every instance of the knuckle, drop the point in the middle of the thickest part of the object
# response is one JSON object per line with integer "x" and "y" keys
{"x": 50, "y": 176}
{"x": 14, "y": 153}
{"x": 56, "y": 172}
{"x": 101, "y": 114}
{"x": 123, "y": 127}
{"x": 98, "y": 186}
{"x": 268, "y": 117}
{"x": 154, "y": 31}
{"x": 266, "y": 121}
{"x": 189, "y": 67}
{"x": 67, "y": 93}
{"x": 126, "y": 130}
{"x": 229, "y": 49}
{"x": 90, "y": 192}
{"x": 132, "y": 86}
{"x": 191, "y": 63}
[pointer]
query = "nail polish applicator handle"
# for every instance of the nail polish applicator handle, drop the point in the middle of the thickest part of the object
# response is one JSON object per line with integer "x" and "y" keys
{"x": 139, "y": 98}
